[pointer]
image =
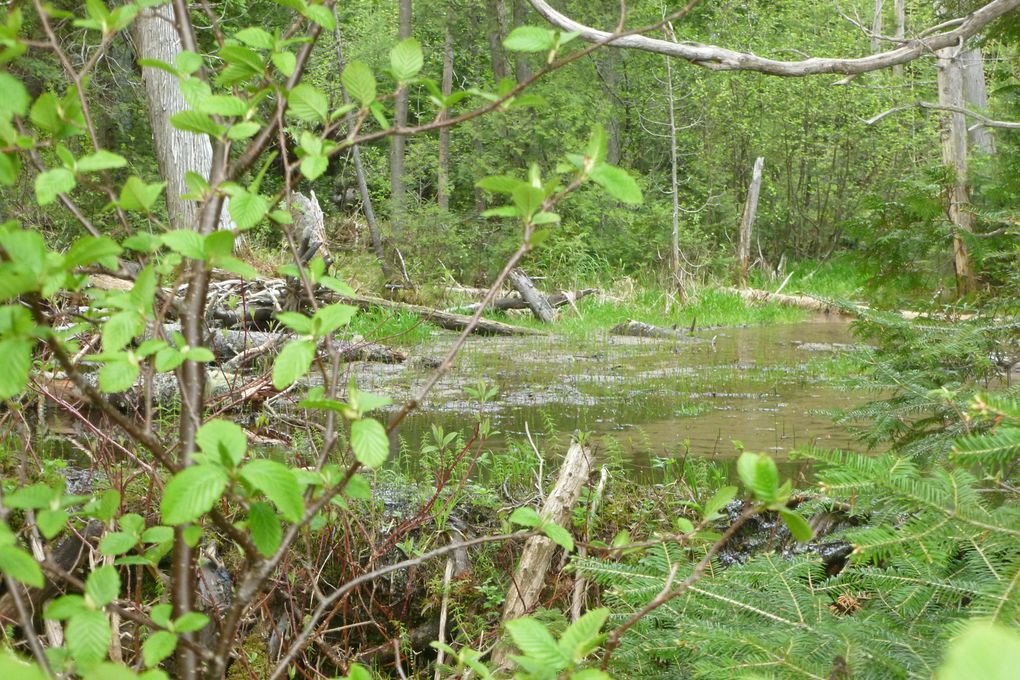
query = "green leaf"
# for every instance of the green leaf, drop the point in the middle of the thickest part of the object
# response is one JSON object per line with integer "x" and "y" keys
{"x": 719, "y": 501}
{"x": 359, "y": 82}
{"x": 120, "y": 329}
{"x": 308, "y": 103}
{"x": 117, "y": 543}
{"x": 51, "y": 522}
{"x": 88, "y": 637}
{"x": 559, "y": 535}
{"x": 89, "y": 249}
{"x": 113, "y": 671}
{"x": 256, "y": 37}
{"x": 20, "y": 566}
{"x": 582, "y": 637}
{"x": 100, "y": 160}
{"x": 332, "y": 317}
{"x": 10, "y": 168}
{"x": 406, "y": 59}
{"x": 370, "y": 443}
{"x": 64, "y": 607}
{"x": 279, "y": 485}
{"x": 617, "y": 183}
{"x": 198, "y": 123}
{"x": 223, "y": 440}
{"x": 500, "y": 184}
{"x": 526, "y": 517}
{"x": 32, "y": 497}
{"x": 192, "y": 492}
{"x": 158, "y": 646}
{"x": 759, "y": 474}
{"x": 13, "y": 667}
{"x": 243, "y": 130}
{"x": 14, "y": 369}
{"x": 799, "y": 527}
{"x": 984, "y": 650}
{"x": 53, "y": 182}
{"x": 225, "y": 105}
{"x": 528, "y": 199}
{"x": 292, "y": 363}
{"x": 136, "y": 195}
{"x": 286, "y": 62}
{"x": 102, "y": 586}
{"x": 265, "y": 528}
{"x": 15, "y": 97}
{"x": 530, "y": 39}
{"x": 312, "y": 167}
{"x": 188, "y": 62}
{"x": 535, "y": 641}
{"x": 321, "y": 15}
{"x": 248, "y": 209}
{"x": 118, "y": 376}
{"x": 191, "y": 622}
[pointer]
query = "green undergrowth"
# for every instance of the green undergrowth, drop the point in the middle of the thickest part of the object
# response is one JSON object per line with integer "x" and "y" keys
{"x": 391, "y": 327}
{"x": 707, "y": 307}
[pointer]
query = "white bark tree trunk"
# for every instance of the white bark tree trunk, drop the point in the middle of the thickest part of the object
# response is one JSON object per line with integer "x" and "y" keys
{"x": 876, "y": 27}
{"x": 747, "y": 223}
{"x": 397, "y": 198}
{"x": 443, "y": 174}
{"x": 975, "y": 93}
{"x": 954, "y": 156}
{"x": 900, "y": 13}
{"x": 177, "y": 152}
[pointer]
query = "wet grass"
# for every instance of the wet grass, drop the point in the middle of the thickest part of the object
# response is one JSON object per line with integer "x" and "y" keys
{"x": 707, "y": 307}
{"x": 391, "y": 327}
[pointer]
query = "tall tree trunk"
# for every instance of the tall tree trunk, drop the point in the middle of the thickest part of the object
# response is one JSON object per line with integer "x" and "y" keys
{"x": 747, "y": 223}
{"x": 359, "y": 168}
{"x": 975, "y": 94}
{"x": 177, "y": 152}
{"x": 900, "y": 12}
{"x": 954, "y": 156}
{"x": 610, "y": 77}
{"x": 876, "y": 27}
{"x": 522, "y": 67}
{"x": 497, "y": 10}
{"x": 398, "y": 200}
{"x": 674, "y": 260}
{"x": 443, "y": 178}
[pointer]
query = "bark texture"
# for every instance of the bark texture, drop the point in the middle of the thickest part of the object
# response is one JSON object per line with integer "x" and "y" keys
{"x": 537, "y": 302}
{"x": 747, "y": 223}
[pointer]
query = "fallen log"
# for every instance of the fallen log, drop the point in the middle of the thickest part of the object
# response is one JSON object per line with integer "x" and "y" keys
{"x": 809, "y": 303}
{"x": 639, "y": 329}
{"x": 448, "y": 320}
{"x": 515, "y": 302}
{"x": 537, "y": 302}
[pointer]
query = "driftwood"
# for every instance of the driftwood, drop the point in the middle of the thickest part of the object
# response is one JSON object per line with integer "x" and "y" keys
{"x": 448, "y": 320}
{"x": 515, "y": 302}
{"x": 800, "y": 301}
{"x": 537, "y": 302}
{"x": 70, "y": 555}
{"x": 639, "y": 329}
{"x": 747, "y": 222}
{"x": 536, "y": 557}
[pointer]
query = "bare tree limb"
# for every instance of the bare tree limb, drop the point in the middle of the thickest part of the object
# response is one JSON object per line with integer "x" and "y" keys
{"x": 982, "y": 120}
{"x": 723, "y": 59}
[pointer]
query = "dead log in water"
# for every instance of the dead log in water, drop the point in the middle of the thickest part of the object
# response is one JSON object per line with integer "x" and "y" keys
{"x": 537, "y": 302}
{"x": 515, "y": 302}
{"x": 639, "y": 329}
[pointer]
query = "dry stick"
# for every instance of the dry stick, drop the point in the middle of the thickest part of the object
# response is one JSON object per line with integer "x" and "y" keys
{"x": 613, "y": 639}
{"x": 306, "y": 633}
{"x": 447, "y": 577}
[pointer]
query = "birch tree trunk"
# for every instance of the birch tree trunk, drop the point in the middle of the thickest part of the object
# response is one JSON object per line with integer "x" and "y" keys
{"x": 900, "y": 12}
{"x": 443, "y": 170}
{"x": 397, "y": 142}
{"x": 674, "y": 259}
{"x": 975, "y": 93}
{"x": 876, "y": 27}
{"x": 359, "y": 168}
{"x": 497, "y": 10}
{"x": 177, "y": 152}
{"x": 954, "y": 156}
{"x": 747, "y": 223}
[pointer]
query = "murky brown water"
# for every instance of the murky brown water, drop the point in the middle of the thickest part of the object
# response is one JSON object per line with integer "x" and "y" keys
{"x": 646, "y": 398}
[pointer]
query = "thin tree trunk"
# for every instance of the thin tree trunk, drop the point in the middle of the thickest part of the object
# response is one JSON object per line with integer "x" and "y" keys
{"x": 522, "y": 68}
{"x": 538, "y": 303}
{"x": 177, "y": 152}
{"x": 397, "y": 142}
{"x": 975, "y": 93}
{"x": 607, "y": 67}
{"x": 443, "y": 174}
{"x": 876, "y": 27}
{"x": 674, "y": 259}
{"x": 747, "y": 223}
{"x": 359, "y": 168}
{"x": 954, "y": 156}
{"x": 900, "y": 10}
{"x": 497, "y": 10}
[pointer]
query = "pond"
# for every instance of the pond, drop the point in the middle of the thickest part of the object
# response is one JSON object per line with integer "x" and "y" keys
{"x": 644, "y": 398}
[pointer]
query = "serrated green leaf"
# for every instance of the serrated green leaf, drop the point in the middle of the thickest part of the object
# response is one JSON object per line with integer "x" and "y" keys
{"x": 617, "y": 182}
{"x": 248, "y": 209}
{"x": 64, "y": 607}
{"x": 308, "y": 104}
{"x": 20, "y": 566}
{"x": 256, "y": 37}
{"x": 118, "y": 376}
{"x": 53, "y": 182}
{"x": 285, "y": 62}
{"x": 406, "y": 59}
{"x": 16, "y": 364}
{"x": 279, "y": 484}
{"x": 191, "y": 622}
{"x": 758, "y": 472}
{"x": 719, "y": 501}
{"x": 265, "y": 528}
{"x": 321, "y": 15}
{"x": 51, "y": 522}
{"x": 136, "y": 195}
{"x": 798, "y": 526}
{"x": 103, "y": 585}
{"x": 223, "y": 440}
{"x": 101, "y": 160}
{"x": 192, "y": 492}
{"x": 582, "y": 637}
{"x": 530, "y": 39}
{"x": 158, "y": 646}
{"x": 537, "y": 643}
{"x": 292, "y": 363}
{"x": 88, "y": 637}
{"x": 198, "y": 123}
{"x": 359, "y": 81}
{"x": 120, "y": 329}
{"x": 370, "y": 443}
{"x": 526, "y": 517}
{"x": 117, "y": 543}
{"x": 559, "y": 535}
